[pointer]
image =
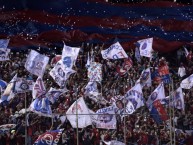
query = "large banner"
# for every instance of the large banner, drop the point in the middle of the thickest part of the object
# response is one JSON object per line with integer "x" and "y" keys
{"x": 36, "y": 63}
{"x": 61, "y": 74}
{"x": 106, "y": 118}
{"x": 115, "y": 51}
{"x": 95, "y": 72}
{"x": 49, "y": 138}
{"x": 69, "y": 56}
{"x": 145, "y": 47}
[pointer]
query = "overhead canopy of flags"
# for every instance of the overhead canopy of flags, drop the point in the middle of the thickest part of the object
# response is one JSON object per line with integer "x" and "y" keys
{"x": 35, "y": 23}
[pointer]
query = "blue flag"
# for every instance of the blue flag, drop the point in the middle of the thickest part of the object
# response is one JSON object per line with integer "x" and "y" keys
{"x": 49, "y": 138}
{"x": 3, "y": 84}
{"x": 4, "y": 43}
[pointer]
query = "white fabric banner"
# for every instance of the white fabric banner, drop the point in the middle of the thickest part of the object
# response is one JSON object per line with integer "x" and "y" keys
{"x": 106, "y": 118}
{"x": 145, "y": 47}
{"x": 80, "y": 110}
{"x": 36, "y": 63}
{"x": 60, "y": 74}
{"x": 95, "y": 72}
{"x": 187, "y": 83}
{"x": 157, "y": 94}
{"x": 69, "y": 56}
{"x": 115, "y": 51}
{"x": 23, "y": 85}
{"x": 135, "y": 95}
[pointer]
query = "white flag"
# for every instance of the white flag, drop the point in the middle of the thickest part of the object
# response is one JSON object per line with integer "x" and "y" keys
{"x": 80, "y": 110}
{"x": 36, "y": 63}
{"x": 115, "y": 51}
{"x": 135, "y": 95}
{"x": 106, "y": 118}
{"x": 178, "y": 99}
{"x": 60, "y": 74}
{"x": 69, "y": 56}
{"x": 114, "y": 142}
{"x": 157, "y": 94}
{"x": 187, "y": 83}
{"x": 145, "y": 78}
{"x": 145, "y": 47}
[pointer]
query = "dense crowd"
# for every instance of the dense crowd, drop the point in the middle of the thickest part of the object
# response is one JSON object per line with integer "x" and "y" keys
{"x": 138, "y": 128}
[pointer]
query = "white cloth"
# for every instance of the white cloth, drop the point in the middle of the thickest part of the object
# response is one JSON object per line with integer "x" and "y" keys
{"x": 181, "y": 71}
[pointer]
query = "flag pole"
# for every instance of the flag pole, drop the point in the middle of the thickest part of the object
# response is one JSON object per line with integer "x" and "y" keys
{"x": 25, "y": 118}
{"x": 173, "y": 108}
{"x": 77, "y": 121}
{"x": 125, "y": 141}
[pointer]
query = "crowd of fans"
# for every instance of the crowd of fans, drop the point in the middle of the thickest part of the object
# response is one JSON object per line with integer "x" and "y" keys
{"x": 136, "y": 129}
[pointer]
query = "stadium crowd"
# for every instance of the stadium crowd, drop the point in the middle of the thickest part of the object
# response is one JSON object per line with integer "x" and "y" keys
{"x": 138, "y": 128}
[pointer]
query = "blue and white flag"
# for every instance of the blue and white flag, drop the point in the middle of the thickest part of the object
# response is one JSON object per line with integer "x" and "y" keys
{"x": 3, "y": 85}
{"x": 39, "y": 89}
{"x": 53, "y": 94}
{"x": 4, "y": 51}
{"x": 187, "y": 83}
{"x": 145, "y": 47}
{"x": 23, "y": 85}
{"x": 41, "y": 106}
{"x": 135, "y": 96}
{"x": 49, "y": 138}
{"x": 178, "y": 99}
{"x": 80, "y": 110}
{"x": 145, "y": 78}
{"x": 106, "y": 118}
{"x": 115, "y": 51}
{"x": 9, "y": 91}
{"x": 60, "y": 74}
{"x": 91, "y": 89}
{"x": 157, "y": 94}
{"x": 69, "y": 56}
{"x": 36, "y": 63}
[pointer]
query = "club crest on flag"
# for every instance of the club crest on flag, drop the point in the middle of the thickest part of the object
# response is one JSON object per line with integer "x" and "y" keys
{"x": 153, "y": 96}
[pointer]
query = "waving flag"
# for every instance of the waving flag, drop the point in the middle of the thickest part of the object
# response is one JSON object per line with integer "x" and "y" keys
{"x": 69, "y": 56}
{"x": 115, "y": 51}
{"x": 38, "y": 89}
{"x": 36, "y": 63}
{"x": 41, "y": 106}
{"x": 79, "y": 111}
{"x": 91, "y": 89}
{"x": 60, "y": 74}
{"x": 9, "y": 91}
{"x": 187, "y": 83}
{"x": 49, "y": 138}
{"x": 23, "y": 85}
{"x": 145, "y": 78}
{"x": 135, "y": 95}
{"x": 4, "y": 51}
{"x": 106, "y": 118}
{"x": 53, "y": 94}
{"x": 158, "y": 112}
{"x": 164, "y": 73}
{"x": 157, "y": 94}
{"x": 95, "y": 72}
{"x": 145, "y": 47}
{"x": 178, "y": 99}
{"x": 3, "y": 84}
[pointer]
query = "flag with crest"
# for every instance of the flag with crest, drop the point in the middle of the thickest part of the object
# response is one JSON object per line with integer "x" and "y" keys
{"x": 39, "y": 89}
